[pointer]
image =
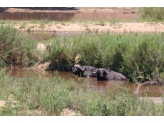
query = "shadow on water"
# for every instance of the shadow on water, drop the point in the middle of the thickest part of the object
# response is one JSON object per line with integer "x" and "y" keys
{"x": 153, "y": 91}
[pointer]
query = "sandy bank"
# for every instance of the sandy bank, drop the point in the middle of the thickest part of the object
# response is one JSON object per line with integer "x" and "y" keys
{"x": 71, "y": 9}
{"x": 94, "y": 27}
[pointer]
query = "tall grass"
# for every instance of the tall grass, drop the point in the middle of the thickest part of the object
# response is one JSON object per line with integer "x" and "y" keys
{"x": 16, "y": 49}
{"x": 151, "y": 13}
{"x": 135, "y": 55}
{"x": 45, "y": 96}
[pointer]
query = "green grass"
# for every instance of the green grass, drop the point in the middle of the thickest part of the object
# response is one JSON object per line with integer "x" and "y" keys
{"x": 135, "y": 55}
{"x": 102, "y": 22}
{"x": 145, "y": 14}
{"x": 16, "y": 49}
{"x": 88, "y": 30}
{"x": 48, "y": 97}
{"x": 28, "y": 30}
{"x": 23, "y": 25}
{"x": 151, "y": 13}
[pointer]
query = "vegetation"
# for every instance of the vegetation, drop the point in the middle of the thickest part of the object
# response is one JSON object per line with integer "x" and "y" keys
{"x": 16, "y": 49}
{"x": 45, "y": 96}
{"x": 138, "y": 56}
{"x": 151, "y": 13}
{"x": 135, "y": 55}
{"x": 23, "y": 25}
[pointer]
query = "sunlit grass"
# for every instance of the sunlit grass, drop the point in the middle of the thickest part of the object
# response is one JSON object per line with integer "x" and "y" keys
{"x": 132, "y": 54}
{"x": 16, "y": 49}
{"x": 48, "y": 97}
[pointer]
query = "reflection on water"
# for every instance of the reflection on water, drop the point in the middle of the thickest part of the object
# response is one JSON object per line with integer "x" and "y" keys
{"x": 40, "y": 36}
{"x": 43, "y": 36}
{"x": 153, "y": 91}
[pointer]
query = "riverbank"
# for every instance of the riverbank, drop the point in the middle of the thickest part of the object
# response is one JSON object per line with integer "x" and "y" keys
{"x": 42, "y": 96}
{"x": 71, "y": 9}
{"x": 132, "y": 54}
{"x": 97, "y": 27}
{"x": 122, "y": 53}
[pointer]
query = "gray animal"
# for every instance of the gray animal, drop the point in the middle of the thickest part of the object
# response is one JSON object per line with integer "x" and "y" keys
{"x": 83, "y": 71}
{"x": 108, "y": 74}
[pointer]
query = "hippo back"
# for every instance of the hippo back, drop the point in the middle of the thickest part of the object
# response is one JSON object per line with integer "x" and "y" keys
{"x": 116, "y": 76}
{"x": 88, "y": 71}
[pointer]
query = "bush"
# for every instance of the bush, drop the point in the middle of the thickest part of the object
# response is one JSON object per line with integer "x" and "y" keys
{"x": 135, "y": 55}
{"x": 16, "y": 49}
{"x": 49, "y": 96}
{"x": 154, "y": 13}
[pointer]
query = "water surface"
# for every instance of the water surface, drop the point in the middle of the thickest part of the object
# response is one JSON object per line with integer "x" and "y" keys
{"x": 153, "y": 91}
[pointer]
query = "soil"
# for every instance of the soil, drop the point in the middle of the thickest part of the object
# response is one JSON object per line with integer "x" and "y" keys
{"x": 156, "y": 100}
{"x": 2, "y": 103}
{"x": 70, "y": 9}
{"x": 117, "y": 28}
{"x": 69, "y": 112}
{"x": 41, "y": 48}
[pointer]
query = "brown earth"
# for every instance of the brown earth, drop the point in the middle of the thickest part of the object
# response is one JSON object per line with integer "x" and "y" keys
{"x": 70, "y": 9}
{"x": 96, "y": 27}
{"x": 41, "y": 48}
{"x": 119, "y": 27}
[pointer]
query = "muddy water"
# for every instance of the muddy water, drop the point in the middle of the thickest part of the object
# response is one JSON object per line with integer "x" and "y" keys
{"x": 153, "y": 91}
{"x": 44, "y": 36}
{"x": 67, "y": 16}
{"x": 40, "y": 36}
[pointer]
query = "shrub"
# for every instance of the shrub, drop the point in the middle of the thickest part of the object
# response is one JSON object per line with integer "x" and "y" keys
{"x": 131, "y": 54}
{"x": 154, "y": 13}
{"x": 49, "y": 96}
{"x": 15, "y": 48}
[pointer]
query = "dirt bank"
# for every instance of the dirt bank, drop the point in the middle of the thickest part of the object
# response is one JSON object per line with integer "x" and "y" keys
{"x": 156, "y": 100}
{"x": 70, "y": 9}
{"x": 95, "y": 27}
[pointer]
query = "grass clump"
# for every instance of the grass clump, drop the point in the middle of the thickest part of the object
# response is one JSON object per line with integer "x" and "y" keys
{"x": 23, "y": 25}
{"x": 88, "y": 30}
{"x": 48, "y": 97}
{"x": 135, "y": 55}
{"x": 16, "y": 49}
{"x": 151, "y": 13}
{"x": 28, "y": 30}
{"x": 102, "y": 22}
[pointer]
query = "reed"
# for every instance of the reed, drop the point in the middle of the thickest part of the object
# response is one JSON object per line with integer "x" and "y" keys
{"x": 151, "y": 13}
{"x": 135, "y": 55}
{"x": 49, "y": 96}
{"x": 16, "y": 49}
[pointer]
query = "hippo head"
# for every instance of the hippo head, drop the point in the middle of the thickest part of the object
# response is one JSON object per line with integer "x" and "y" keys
{"x": 100, "y": 72}
{"x": 77, "y": 69}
